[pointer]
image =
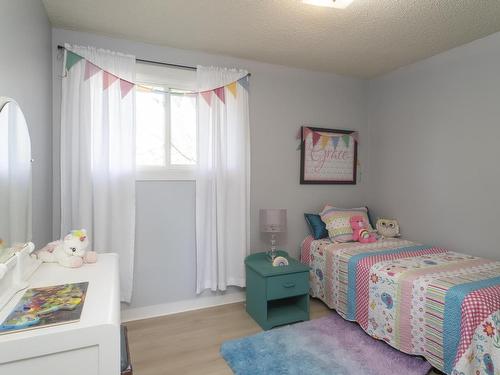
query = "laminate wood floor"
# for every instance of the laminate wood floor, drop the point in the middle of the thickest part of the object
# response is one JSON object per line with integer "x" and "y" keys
{"x": 188, "y": 343}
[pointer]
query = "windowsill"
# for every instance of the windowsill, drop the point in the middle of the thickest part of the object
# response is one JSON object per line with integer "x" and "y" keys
{"x": 180, "y": 174}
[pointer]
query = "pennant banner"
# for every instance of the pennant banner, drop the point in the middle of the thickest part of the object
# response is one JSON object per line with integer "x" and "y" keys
{"x": 346, "y": 138}
{"x": 306, "y": 132}
{"x": 324, "y": 141}
{"x": 316, "y": 137}
{"x": 335, "y": 142}
{"x": 144, "y": 88}
{"x": 300, "y": 132}
{"x": 207, "y": 95}
{"x": 71, "y": 59}
{"x": 108, "y": 79}
{"x": 325, "y": 138}
{"x": 126, "y": 86}
{"x": 232, "y": 87}
{"x": 219, "y": 91}
{"x": 244, "y": 82}
{"x": 90, "y": 70}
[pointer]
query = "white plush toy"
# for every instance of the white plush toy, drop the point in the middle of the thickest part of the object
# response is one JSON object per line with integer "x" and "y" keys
{"x": 69, "y": 252}
{"x": 387, "y": 228}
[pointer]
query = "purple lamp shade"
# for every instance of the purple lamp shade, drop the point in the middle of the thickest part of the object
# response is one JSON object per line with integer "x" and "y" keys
{"x": 273, "y": 220}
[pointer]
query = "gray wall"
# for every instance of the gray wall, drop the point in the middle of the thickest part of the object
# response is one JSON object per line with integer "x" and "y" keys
{"x": 282, "y": 99}
{"x": 435, "y": 133}
{"x": 25, "y": 75}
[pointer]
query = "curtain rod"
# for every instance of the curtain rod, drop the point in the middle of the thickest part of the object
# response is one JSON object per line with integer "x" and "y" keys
{"x": 187, "y": 67}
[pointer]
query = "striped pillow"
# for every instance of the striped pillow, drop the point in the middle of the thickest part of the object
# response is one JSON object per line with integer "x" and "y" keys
{"x": 337, "y": 221}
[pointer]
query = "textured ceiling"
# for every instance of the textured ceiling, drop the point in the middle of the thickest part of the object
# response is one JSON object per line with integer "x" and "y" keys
{"x": 369, "y": 38}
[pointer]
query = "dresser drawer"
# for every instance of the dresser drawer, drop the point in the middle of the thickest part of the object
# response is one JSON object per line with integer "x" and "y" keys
{"x": 290, "y": 285}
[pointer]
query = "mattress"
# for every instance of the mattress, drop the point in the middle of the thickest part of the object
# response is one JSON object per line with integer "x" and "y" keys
{"x": 421, "y": 300}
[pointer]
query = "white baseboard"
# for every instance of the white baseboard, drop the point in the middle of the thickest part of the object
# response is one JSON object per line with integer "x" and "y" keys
{"x": 152, "y": 311}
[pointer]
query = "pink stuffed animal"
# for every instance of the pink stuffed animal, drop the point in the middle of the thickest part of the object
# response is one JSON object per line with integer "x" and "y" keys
{"x": 359, "y": 231}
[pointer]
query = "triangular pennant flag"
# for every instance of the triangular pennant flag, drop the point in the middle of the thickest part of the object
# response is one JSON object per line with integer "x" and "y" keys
{"x": 233, "y": 87}
{"x": 299, "y": 133}
{"x": 244, "y": 82}
{"x": 207, "y": 95}
{"x": 125, "y": 87}
{"x": 335, "y": 142}
{"x": 346, "y": 138}
{"x": 219, "y": 91}
{"x": 107, "y": 79}
{"x": 324, "y": 141}
{"x": 305, "y": 132}
{"x": 90, "y": 70}
{"x": 71, "y": 59}
{"x": 143, "y": 88}
{"x": 316, "y": 137}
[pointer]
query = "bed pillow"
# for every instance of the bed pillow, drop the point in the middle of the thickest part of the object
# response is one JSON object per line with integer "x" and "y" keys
{"x": 316, "y": 226}
{"x": 337, "y": 221}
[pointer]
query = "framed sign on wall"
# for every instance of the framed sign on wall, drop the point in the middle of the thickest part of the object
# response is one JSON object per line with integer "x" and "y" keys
{"x": 328, "y": 156}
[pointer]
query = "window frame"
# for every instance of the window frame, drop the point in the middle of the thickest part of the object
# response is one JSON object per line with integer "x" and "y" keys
{"x": 169, "y": 172}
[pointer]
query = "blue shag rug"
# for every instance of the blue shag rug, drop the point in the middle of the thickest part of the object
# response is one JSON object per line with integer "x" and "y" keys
{"x": 330, "y": 345}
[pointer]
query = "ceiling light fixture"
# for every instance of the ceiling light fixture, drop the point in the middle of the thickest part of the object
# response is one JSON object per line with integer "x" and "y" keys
{"x": 340, "y": 4}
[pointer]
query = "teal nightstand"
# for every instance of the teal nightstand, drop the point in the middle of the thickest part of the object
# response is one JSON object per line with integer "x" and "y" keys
{"x": 276, "y": 295}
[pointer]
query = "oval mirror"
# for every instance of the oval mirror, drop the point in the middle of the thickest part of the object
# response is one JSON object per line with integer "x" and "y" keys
{"x": 15, "y": 178}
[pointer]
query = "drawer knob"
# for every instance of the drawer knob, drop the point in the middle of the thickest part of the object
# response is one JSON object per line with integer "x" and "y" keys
{"x": 288, "y": 285}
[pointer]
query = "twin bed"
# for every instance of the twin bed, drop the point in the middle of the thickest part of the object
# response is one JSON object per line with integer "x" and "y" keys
{"x": 422, "y": 300}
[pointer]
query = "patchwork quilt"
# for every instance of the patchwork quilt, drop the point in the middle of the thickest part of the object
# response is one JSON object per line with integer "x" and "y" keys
{"x": 421, "y": 300}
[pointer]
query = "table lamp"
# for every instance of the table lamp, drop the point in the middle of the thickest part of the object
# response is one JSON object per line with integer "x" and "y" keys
{"x": 272, "y": 220}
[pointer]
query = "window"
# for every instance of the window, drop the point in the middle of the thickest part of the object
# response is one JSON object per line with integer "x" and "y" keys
{"x": 166, "y": 124}
{"x": 182, "y": 129}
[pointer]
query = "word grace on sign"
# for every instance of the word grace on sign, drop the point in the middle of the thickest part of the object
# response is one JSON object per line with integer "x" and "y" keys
{"x": 328, "y": 156}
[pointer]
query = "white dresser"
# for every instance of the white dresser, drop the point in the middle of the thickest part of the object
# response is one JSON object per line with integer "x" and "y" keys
{"x": 88, "y": 347}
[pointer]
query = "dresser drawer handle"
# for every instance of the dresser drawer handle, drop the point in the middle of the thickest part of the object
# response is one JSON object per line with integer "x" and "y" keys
{"x": 288, "y": 285}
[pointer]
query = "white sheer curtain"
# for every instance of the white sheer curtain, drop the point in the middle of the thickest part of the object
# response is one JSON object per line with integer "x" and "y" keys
{"x": 98, "y": 157}
{"x": 222, "y": 182}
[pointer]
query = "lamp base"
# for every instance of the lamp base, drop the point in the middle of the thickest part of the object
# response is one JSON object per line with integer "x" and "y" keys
{"x": 271, "y": 255}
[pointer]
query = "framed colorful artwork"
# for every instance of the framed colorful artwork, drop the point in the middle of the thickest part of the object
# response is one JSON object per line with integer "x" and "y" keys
{"x": 46, "y": 306}
{"x": 328, "y": 156}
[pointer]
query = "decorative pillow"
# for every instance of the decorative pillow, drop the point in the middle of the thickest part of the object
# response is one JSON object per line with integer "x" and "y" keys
{"x": 337, "y": 221}
{"x": 316, "y": 226}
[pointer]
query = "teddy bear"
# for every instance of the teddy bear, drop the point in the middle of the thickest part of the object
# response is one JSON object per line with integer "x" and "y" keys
{"x": 69, "y": 252}
{"x": 359, "y": 230}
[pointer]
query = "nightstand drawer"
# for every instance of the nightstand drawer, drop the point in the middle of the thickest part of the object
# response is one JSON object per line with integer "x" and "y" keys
{"x": 283, "y": 286}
